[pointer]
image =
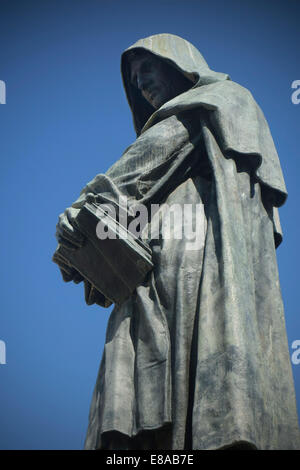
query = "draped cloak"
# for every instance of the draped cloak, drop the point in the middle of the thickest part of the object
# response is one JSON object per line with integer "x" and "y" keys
{"x": 200, "y": 348}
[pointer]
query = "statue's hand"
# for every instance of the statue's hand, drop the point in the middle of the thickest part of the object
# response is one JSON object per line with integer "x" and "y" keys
{"x": 66, "y": 233}
{"x": 68, "y": 273}
{"x": 93, "y": 296}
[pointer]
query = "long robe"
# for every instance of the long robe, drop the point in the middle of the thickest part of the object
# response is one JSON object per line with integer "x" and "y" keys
{"x": 200, "y": 350}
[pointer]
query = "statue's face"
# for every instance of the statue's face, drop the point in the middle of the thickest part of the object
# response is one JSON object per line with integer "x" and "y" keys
{"x": 154, "y": 78}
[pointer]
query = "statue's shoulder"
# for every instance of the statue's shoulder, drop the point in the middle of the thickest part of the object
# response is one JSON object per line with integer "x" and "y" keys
{"x": 226, "y": 90}
{"x": 235, "y": 89}
{"x": 225, "y": 96}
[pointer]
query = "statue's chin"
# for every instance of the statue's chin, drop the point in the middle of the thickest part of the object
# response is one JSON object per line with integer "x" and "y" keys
{"x": 155, "y": 101}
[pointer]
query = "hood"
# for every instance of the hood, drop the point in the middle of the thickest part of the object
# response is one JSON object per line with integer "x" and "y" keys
{"x": 178, "y": 53}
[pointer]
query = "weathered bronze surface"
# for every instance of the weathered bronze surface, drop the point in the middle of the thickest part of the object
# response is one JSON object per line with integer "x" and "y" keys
{"x": 196, "y": 353}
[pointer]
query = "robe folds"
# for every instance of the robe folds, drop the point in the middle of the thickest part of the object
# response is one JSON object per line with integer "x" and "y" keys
{"x": 200, "y": 348}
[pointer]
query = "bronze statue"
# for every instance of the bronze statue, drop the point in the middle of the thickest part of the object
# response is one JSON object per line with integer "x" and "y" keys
{"x": 196, "y": 353}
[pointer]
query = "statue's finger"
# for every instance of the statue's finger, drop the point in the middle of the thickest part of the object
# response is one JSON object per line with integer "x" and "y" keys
{"x": 69, "y": 244}
{"x": 71, "y": 232}
{"x": 77, "y": 278}
{"x": 88, "y": 293}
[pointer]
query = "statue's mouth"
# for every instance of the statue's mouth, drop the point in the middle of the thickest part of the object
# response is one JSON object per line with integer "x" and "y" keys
{"x": 149, "y": 94}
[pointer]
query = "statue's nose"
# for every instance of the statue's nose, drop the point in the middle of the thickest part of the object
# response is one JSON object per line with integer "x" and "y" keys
{"x": 143, "y": 82}
{"x": 140, "y": 82}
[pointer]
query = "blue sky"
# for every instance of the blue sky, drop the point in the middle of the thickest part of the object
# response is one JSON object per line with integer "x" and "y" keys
{"x": 65, "y": 120}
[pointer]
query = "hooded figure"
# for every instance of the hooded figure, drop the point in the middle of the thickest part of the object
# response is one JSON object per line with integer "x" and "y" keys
{"x": 197, "y": 357}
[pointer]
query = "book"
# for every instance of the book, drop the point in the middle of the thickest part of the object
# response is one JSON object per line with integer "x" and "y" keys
{"x": 114, "y": 266}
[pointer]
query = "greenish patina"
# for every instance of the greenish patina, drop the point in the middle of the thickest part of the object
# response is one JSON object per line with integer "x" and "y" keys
{"x": 197, "y": 356}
